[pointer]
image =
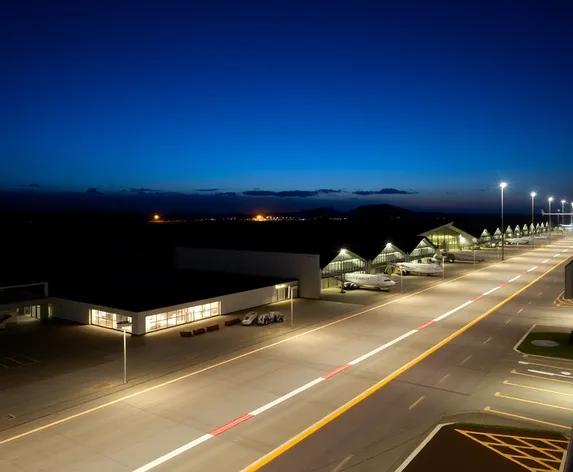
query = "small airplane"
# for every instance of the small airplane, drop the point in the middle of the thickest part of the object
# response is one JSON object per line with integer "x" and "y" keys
{"x": 525, "y": 240}
{"x": 465, "y": 256}
{"x": 417, "y": 268}
{"x": 354, "y": 280}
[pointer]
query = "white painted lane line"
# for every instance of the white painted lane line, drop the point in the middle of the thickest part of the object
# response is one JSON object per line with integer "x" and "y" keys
{"x": 268, "y": 406}
{"x": 172, "y": 454}
{"x": 550, "y": 374}
{"x": 381, "y": 348}
{"x": 466, "y": 359}
{"x": 487, "y": 340}
{"x": 413, "y": 405}
{"x": 519, "y": 311}
{"x": 491, "y": 291}
{"x": 545, "y": 261}
{"x": 443, "y": 378}
{"x": 451, "y": 312}
{"x": 533, "y": 268}
{"x": 508, "y": 321}
{"x": 342, "y": 463}
{"x": 515, "y": 278}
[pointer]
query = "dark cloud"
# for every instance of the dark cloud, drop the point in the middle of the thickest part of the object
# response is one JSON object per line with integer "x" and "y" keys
{"x": 35, "y": 185}
{"x": 93, "y": 191}
{"x": 328, "y": 190}
{"x": 225, "y": 194}
{"x": 384, "y": 191}
{"x": 207, "y": 189}
{"x": 284, "y": 193}
{"x": 142, "y": 190}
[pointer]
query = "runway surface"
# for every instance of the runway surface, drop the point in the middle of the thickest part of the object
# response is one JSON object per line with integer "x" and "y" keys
{"x": 230, "y": 414}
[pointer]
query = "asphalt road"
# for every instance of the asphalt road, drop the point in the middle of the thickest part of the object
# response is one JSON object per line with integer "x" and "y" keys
{"x": 201, "y": 421}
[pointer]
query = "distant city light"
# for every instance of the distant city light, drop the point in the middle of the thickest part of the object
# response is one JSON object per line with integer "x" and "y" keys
{"x": 259, "y": 218}
{"x": 156, "y": 217}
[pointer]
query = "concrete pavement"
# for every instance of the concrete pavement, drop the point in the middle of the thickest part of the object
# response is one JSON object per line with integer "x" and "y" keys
{"x": 288, "y": 385}
{"x": 477, "y": 377}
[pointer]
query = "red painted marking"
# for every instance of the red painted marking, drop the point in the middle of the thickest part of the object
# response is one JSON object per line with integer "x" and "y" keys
{"x": 503, "y": 284}
{"x": 336, "y": 371}
{"x": 425, "y": 325}
{"x": 477, "y": 298}
{"x": 224, "y": 428}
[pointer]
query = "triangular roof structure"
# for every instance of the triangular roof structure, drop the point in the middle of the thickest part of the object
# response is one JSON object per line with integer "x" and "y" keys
{"x": 531, "y": 227}
{"x": 525, "y": 228}
{"x": 390, "y": 248}
{"x": 346, "y": 255}
{"x": 451, "y": 230}
{"x": 497, "y": 232}
{"x": 485, "y": 233}
{"x": 424, "y": 247}
{"x": 517, "y": 229}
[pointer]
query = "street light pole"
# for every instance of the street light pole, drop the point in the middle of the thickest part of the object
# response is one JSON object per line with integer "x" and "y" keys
{"x": 550, "y": 199}
{"x": 533, "y": 194}
{"x": 502, "y": 185}
{"x": 291, "y": 290}
{"x": 562, "y": 210}
{"x": 123, "y": 325}
{"x": 572, "y": 214}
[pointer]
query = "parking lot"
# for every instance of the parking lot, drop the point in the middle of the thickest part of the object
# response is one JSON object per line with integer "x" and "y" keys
{"x": 535, "y": 389}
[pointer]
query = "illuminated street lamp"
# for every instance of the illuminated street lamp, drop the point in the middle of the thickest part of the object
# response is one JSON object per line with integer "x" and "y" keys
{"x": 533, "y": 195}
{"x": 156, "y": 217}
{"x": 124, "y": 325}
{"x": 502, "y": 186}
{"x": 550, "y": 199}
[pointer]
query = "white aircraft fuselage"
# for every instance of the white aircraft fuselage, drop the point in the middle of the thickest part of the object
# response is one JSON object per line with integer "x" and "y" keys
{"x": 421, "y": 269}
{"x": 517, "y": 240}
{"x": 353, "y": 280}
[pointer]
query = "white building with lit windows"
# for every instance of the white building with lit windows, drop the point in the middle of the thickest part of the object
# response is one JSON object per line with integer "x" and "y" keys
{"x": 151, "y": 302}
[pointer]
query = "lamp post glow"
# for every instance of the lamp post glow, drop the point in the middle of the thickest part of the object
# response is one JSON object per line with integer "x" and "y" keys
{"x": 124, "y": 325}
{"x": 502, "y": 185}
{"x": 550, "y": 199}
{"x": 533, "y": 195}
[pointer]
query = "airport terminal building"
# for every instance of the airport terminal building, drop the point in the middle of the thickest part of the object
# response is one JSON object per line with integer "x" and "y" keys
{"x": 206, "y": 282}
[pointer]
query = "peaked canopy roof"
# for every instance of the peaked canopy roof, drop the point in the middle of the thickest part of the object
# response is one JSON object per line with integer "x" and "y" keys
{"x": 451, "y": 230}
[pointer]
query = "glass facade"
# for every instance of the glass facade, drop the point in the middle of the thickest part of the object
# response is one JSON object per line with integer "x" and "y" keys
{"x": 108, "y": 320}
{"x": 387, "y": 256}
{"x": 181, "y": 316}
{"x": 446, "y": 242}
{"x": 337, "y": 267}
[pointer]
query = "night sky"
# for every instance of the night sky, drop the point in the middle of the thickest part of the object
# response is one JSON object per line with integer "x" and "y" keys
{"x": 423, "y": 104}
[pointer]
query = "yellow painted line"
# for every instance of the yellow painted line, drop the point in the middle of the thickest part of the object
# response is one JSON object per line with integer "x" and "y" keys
{"x": 508, "y": 382}
{"x": 549, "y": 379}
{"x": 533, "y": 402}
{"x": 367, "y": 393}
{"x": 526, "y": 418}
{"x": 413, "y": 405}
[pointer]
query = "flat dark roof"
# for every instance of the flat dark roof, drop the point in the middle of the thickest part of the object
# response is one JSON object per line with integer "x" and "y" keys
{"x": 150, "y": 291}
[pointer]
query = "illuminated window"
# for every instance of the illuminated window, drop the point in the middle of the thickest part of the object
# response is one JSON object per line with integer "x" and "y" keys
{"x": 181, "y": 316}
{"x": 108, "y": 320}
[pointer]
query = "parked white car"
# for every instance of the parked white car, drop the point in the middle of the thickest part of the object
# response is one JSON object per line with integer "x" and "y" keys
{"x": 250, "y": 318}
{"x": 270, "y": 317}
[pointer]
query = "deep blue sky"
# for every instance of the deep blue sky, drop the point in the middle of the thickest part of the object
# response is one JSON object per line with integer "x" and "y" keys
{"x": 442, "y": 99}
